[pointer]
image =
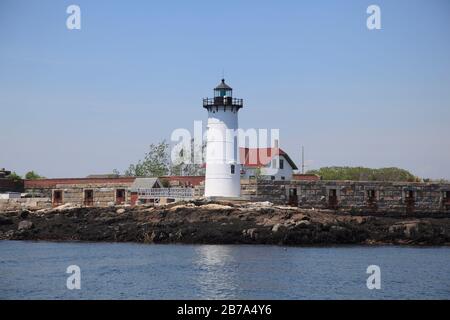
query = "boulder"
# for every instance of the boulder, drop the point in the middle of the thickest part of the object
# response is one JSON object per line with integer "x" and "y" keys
{"x": 303, "y": 223}
{"x": 214, "y": 206}
{"x": 262, "y": 204}
{"x": 24, "y": 214}
{"x": 63, "y": 207}
{"x": 408, "y": 228}
{"x": 5, "y": 221}
{"x": 252, "y": 233}
{"x": 6, "y": 235}
{"x": 276, "y": 227}
{"x": 337, "y": 228}
{"x": 182, "y": 206}
{"x": 25, "y": 225}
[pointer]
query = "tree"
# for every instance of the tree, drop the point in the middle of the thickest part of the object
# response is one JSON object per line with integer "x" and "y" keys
{"x": 364, "y": 174}
{"x": 14, "y": 176}
{"x": 184, "y": 164}
{"x": 31, "y": 175}
{"x": 155, "y": 163}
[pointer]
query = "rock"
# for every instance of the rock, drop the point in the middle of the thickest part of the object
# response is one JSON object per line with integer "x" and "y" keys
{"x": 286, "y": 208}
{"x": 25, "y": 225}
{"x": 268, "y": 222}
{"x": 182, "y": 206}
{"x": 67, "y": 206}
{"x": 289, "y": 224}
{"x": 174, "y": 204}
{"x": 262, "y": 204}
{"x": 408, "y": 228}
{"x": 359, "y": 220}
{"x": 214, "y": 206}
{"x": 7, "y": 235}
{"x": 252, "y": 233}
{"x": 24, "y": 214}
{"x": 63, "y": 207}
{"x": 337, "y": 228}
{"x": 224, "y": 222}
{"x": 150, "y": 237}
{"x": 276, "y": 227}
{"x": 303, "y": 223}
{"x": 155, "y": 236}
{"x": 5, "y": 221}
{"x": 42, "y": 211}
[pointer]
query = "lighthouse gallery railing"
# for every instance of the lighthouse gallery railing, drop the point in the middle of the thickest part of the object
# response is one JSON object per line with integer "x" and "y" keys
{"x": 223, "y": 101}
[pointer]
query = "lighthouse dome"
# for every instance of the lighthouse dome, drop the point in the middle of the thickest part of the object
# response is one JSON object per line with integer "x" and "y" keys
{"x": 223, "y": 85}
{"x": 223, "y": 90}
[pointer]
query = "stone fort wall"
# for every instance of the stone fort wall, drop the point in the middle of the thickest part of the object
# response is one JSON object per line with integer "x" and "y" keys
{"x": 353, "y": 195}
{"x": 339, "y": 195}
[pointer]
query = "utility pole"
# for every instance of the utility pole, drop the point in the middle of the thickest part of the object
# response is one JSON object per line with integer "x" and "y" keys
{"x": 303, "y": 160}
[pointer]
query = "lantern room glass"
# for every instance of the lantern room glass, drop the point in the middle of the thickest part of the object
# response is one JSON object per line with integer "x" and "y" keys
{"x": 222, "y": 93}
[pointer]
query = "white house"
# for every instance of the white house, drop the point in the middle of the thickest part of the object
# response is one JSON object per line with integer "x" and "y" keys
{"x": 266, "y": 163}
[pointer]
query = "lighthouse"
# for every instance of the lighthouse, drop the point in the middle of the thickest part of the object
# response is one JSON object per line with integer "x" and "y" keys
{"x": 223, "y": 170}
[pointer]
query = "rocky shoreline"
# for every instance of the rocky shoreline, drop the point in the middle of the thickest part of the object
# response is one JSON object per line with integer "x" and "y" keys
{"x": 201, "y": 222}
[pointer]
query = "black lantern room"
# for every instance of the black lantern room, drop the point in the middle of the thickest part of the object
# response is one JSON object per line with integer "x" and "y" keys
{"x": 223, "y": 97}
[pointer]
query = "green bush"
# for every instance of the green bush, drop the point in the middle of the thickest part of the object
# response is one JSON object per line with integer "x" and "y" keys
{"x": 364, "y": 174}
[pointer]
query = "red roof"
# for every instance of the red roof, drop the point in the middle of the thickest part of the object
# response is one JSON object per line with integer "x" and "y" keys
{"x": 261, "y": 157}
{"x": 51, "y": 183}
{"x": 306, "y": 177}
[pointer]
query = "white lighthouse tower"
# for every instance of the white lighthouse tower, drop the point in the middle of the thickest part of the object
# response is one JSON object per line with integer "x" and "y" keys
{"x": 223, "y": 170}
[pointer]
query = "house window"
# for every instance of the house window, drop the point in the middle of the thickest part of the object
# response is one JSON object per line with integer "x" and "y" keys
{"x": 272, "y": 177}
{"x": 233, "y": 168}
{"x": 283, "y": 178}
{"x": 281, "y": 164}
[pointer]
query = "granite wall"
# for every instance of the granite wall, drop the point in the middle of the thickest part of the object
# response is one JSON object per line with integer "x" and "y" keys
{"x": 102, "y": 195}
{"x": 354, "y": 195}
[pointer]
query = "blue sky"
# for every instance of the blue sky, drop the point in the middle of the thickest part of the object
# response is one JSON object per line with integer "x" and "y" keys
{"x": 77, "y": 102}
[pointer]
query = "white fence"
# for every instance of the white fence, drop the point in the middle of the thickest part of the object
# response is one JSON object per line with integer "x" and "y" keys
{"x": 175, "y": 193}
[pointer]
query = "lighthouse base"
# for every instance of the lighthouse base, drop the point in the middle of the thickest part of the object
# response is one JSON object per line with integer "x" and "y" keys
{"x": 223, "y": 188}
